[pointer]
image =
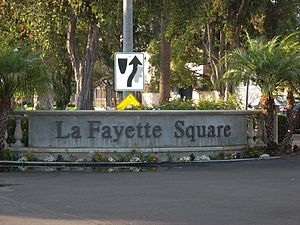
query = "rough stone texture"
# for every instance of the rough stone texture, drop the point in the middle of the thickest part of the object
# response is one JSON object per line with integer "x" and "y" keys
{"x": 90, "y": 129}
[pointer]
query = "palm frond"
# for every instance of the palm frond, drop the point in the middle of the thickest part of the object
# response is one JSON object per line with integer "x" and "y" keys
{"x": 22, "y": 71}
{"x": 270, "y": 64}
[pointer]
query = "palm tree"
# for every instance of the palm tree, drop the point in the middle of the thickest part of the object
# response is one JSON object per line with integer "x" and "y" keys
{"x": 286, "y": 142}
{"x": 292, "y": 87}
{"x": 269, "y": 64}
{"x": 21, "y": 72}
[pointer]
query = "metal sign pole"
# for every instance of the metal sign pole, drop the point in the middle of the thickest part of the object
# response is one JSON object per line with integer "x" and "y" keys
{"x": 127, "y": 30}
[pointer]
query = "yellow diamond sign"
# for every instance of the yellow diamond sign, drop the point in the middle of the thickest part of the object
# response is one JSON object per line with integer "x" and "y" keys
{"x": 130, "y": 100}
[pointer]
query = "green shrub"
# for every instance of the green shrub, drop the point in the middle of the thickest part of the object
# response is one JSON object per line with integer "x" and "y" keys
{"x": 7, "y": 155}
{"x": 254, "y": 152}
{"x": 124, "y": 157}
{"x": 99, "y": 157}
{"x": 229, "y": 155}
{"x": 173, "y": 104}
{"x": 178, "y": 104}
{"x": 215, "y": 156}
{"x": 151, "y": 158}
{"x": 73, "y": 158}
{"x": 216, "y": 105}
{"x": 59, "y": 158}
{"x": 190, "y": 104}
{"x": 30, "y": 157}
{"x": 169, "y": 156}
{"x": 230, "y": 104}
{"x": 222, "y": 155}
{"x": 132, "y": 156}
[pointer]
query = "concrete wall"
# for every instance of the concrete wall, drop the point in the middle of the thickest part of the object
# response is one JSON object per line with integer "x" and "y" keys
{"x": 119, "y": 130}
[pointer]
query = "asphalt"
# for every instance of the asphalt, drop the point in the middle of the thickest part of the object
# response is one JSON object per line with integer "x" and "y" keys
{"x": 251, "y": 192}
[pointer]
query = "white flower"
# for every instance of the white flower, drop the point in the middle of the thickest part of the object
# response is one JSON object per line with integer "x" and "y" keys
{"x": 264, "y": 156}
{"x": 135, "y": 159}
{"x": 49, "y": 158}
{"x": 185, "y": 159}
{"x": 80, "y": 160}
{"x": 202, "y": 158}
{"x": 111, "y": 159}
{"x": 23, "y": 159}
{"x": 90, "y": 156}
{"x": 110, "y": 170}
{"x": 174, "y": 97}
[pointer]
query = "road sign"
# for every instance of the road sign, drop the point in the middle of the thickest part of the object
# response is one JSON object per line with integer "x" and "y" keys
{"x": 128, "y": 101}
{"x": 129, "y": 71}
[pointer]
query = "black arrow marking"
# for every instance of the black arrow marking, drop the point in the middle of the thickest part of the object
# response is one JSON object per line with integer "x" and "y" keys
{"x": 135, "y": 62}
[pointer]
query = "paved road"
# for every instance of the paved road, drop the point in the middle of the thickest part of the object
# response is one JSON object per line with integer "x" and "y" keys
{"x": 262, "y": 193}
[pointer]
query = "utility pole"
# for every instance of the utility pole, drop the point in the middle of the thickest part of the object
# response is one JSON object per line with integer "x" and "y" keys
{"x": 127, "y": 30}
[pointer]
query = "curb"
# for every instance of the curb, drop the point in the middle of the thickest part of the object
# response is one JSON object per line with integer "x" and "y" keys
{"x": 124, "y": 164}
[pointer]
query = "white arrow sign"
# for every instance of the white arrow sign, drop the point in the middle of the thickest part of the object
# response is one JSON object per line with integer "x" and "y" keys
{"x": 129, "y": 71}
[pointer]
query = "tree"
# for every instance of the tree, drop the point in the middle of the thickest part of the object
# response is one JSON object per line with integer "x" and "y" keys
{"x": 291, "y": 86}
{"x": 285, "y": 145}
{"x": 185, "y": 53}
{"x": 39, "y": 23}
{"x": 280, "y": 17}
{"x": 83, "y": 67}
{"x": 93, "y": 18}
{"x": 161, "y": 57}
{"x": 71, "y": 30}
{"x": 21, "y": 72}
{"x": 269, "y": 64}
{"x": 200, "y": 32}
{"x": 220, "y": 30}
{"x": 218, "y": 27}
{"x": 167, "y": 44}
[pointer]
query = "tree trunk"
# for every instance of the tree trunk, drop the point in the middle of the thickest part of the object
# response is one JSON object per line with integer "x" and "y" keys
{"x": 65, "y": 92}
{"x": 290, "y": 101}
{"x": 213, "y": 63}
{"x": 5, "y": 107}
{"x": 44, "y": 102}
{"x": 222, "y": 65}
{"x": 83, "y": 68}
{"x": 216, "y": 36}
{"x": 238, "y": 23}
{"x": 164, "y": 85}
{"x": 267, "y": 103}
{"x": 237, "y": 15}
{"x": 109, "y": 95}
{"x": 286, "y": 144}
